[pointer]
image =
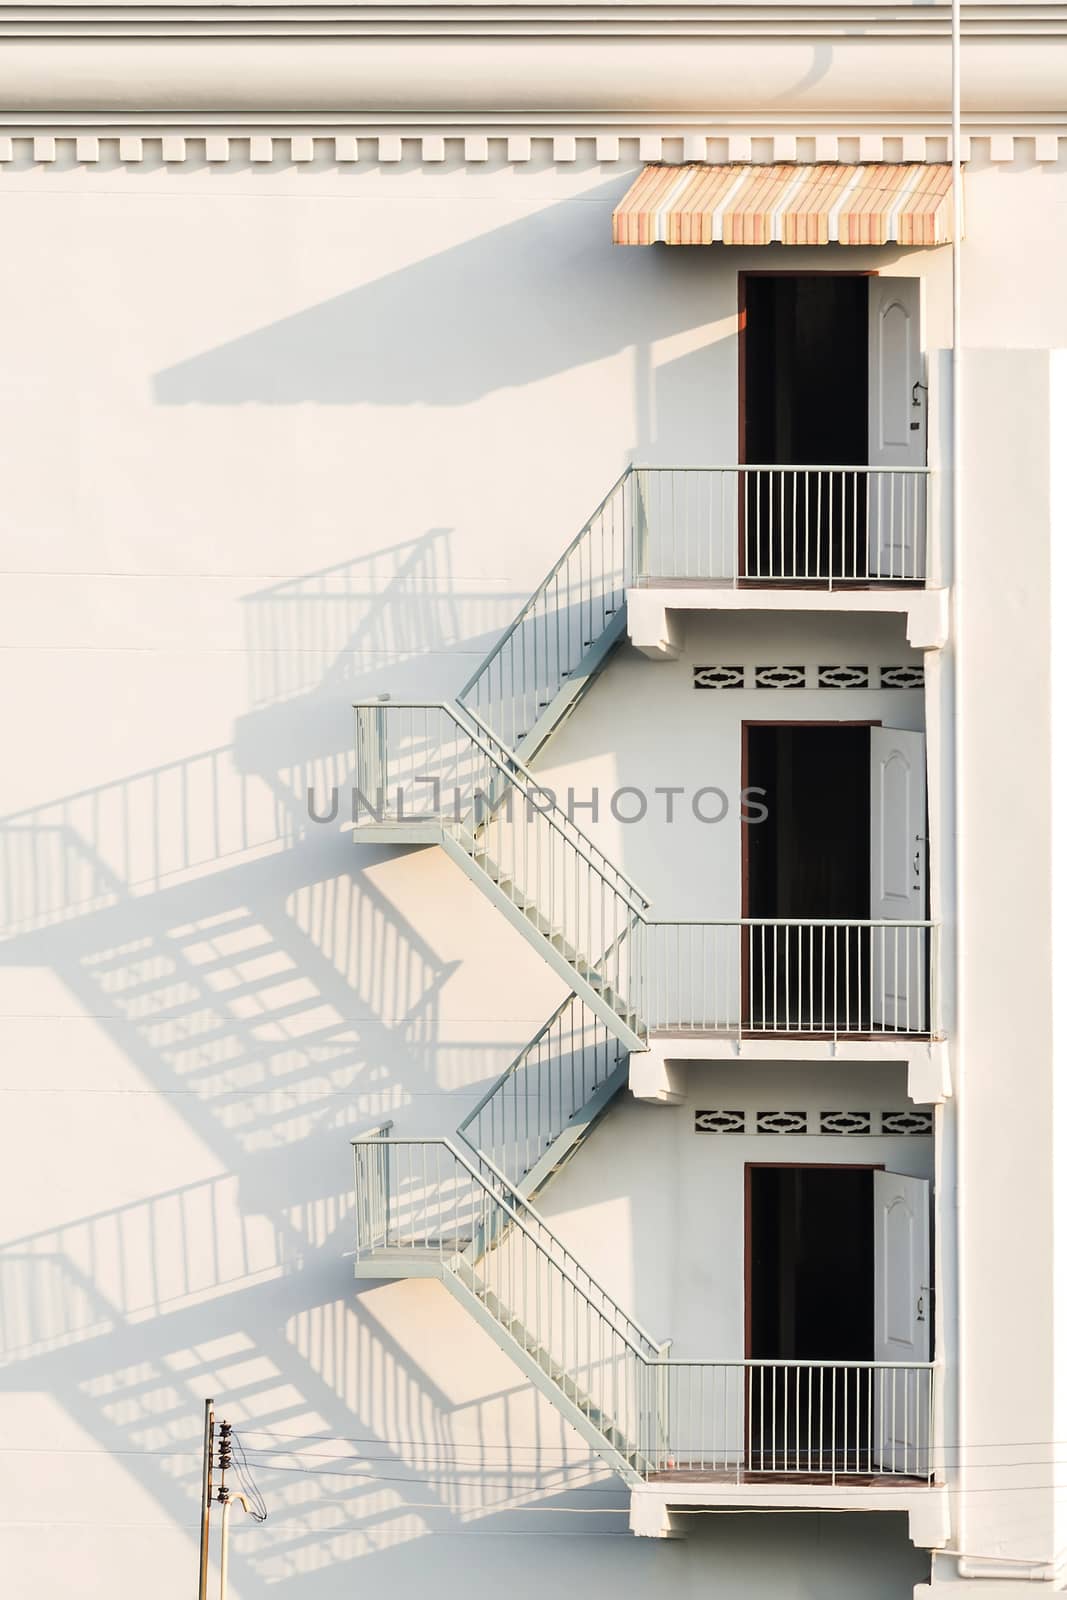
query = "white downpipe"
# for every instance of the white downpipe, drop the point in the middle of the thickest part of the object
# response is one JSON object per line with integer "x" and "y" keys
{"x": 224, "y": 1553}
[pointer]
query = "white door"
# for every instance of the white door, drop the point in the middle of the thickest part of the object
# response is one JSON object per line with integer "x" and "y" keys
{"x": 899, "y": 956}
{"x": 896, "y": 430}
{"x": 903, "y": 1312}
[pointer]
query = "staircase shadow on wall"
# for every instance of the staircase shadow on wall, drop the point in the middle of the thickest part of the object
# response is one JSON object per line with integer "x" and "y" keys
{"x": 246, "y": 967}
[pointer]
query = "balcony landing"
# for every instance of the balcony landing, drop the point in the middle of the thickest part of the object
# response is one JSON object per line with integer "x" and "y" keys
{"x": 651, "y": 609}
{"x": 658, "y": 1073}
{"x": 658, "y": 1506}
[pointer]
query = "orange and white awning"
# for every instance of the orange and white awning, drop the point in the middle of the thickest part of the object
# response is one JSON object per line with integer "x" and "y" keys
{"x": 827, "y": 203}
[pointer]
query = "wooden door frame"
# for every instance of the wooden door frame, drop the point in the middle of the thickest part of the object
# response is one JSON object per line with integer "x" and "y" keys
{"x": 744, "y": 274}
{"x": 791, "y": 1166}
{"x": 782, "y": 722}
{"x": 850, "y": 1166}
{"x": 773, "y": 722}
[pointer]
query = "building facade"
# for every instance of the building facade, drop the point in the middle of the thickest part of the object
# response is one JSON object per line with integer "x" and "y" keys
{"x": 567, "y": 1063}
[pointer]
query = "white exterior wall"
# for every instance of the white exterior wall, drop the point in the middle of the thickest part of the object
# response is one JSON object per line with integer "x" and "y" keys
{"x": 676, "y": 1196}
{"x": 645, "y": 726}
{"x": 277, "y": 439}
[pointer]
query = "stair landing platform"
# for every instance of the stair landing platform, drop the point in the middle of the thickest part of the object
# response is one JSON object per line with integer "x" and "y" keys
{"x": 658, "y": 1508}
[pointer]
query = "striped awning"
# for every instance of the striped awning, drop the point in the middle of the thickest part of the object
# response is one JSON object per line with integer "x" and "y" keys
{"x": 827, "y": 203}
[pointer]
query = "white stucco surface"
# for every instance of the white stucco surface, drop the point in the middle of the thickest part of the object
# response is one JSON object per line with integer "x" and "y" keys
{"x": 277, "y": 440}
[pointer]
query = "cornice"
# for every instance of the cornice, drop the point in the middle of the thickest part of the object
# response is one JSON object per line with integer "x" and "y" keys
{"x": 610, "y": 65}
{"x": 638, "y": 19}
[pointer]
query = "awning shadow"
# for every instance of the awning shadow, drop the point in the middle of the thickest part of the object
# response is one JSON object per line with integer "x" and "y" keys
{"x": 512, "y": 305}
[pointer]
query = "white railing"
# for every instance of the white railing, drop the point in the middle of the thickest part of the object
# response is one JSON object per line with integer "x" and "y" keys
{"x": 429, "y": 763}
{"x": 821, "y": 525}
{"x": 810, "y": 1419}
{"x": 561, "y": 621}
{"x": 823, "y": 978}
{"x": 420, "y": 1198}
{"x": 528, "y": 1107}
{"x": 779, "y": 525}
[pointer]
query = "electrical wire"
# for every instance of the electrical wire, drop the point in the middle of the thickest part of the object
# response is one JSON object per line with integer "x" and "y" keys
{"x": 888, "y": 1487}
{"x": 243, "y": 1472}
{"x": 434, "y": 1444}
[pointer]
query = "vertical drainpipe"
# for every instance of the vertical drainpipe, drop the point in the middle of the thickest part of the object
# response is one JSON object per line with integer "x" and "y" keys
{"x": 956, "y": 518}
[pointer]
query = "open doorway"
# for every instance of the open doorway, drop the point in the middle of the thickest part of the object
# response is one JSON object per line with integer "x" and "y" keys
{"x": 811, "y": 1263}
{"x": 838, "y": 1292}
{"x": 832, "y": 428}
{"x": 804, "y": 371}
{"x": 804, "y": 382}
{"x": 810, "y": 859}
{"x": 810, "y": 1274}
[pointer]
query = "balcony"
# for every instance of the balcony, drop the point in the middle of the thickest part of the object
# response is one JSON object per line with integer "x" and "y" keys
{"x": 810, "y": 978}
{"x": 423, "y": 1209}
{"x": 794, "y": 1420}
{"x": 821, "y": 526}
{"x": 434, "y": 774}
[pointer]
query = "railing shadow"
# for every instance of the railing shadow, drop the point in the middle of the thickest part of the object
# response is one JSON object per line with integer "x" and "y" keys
{"x": 251, "y": 970}
{"x": 354, "y": 1443}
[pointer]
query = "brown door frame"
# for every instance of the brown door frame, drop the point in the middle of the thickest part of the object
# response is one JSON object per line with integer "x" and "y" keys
{"x": 781, "y": 722}
{"x": 773, "y": 722}
{"x": 742, "y": 380}
{"x": 742, "y": 327}
{"x": 791, "y": 1166}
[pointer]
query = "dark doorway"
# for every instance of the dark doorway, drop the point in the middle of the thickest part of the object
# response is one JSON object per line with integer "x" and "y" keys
{"x": 810, "y": 859}
{"x": 810, "y": 1267}
{"x": 804, "y": 382}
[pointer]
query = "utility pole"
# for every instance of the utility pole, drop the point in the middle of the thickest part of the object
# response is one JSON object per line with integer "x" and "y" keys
{"x": 206, "y": 1494}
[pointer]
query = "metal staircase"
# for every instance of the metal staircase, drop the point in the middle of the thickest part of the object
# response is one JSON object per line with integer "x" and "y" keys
{"x": 424, "y": 1208}
{"x": 582, "y": 913}
{"x": 542, "y": 665}
{"x": 542, "y": 1108}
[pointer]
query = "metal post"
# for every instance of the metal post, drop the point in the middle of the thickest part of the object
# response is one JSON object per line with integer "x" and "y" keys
{"x": 205, "y": 1495}
{"x": 224, "y": 1554}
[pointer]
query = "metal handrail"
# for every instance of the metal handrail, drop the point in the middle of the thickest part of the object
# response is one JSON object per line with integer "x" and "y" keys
{"x": 483, "y": 739}
{"x": 786, "y": 466}
{"x": 528, "y": 1231}
{"x": 789, "y": 922}
{"x": 542, "y": 588}
{"x": 822, "y": 976}
{"x": 633, "y": 470}
{"x": 510, "y": 1070}
{"x": 804, "y": 1365}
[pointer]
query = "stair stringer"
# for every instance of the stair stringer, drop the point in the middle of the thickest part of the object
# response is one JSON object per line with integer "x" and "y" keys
{"x": 573, "y": 690}
{"x": 543, "y": 1381}
{"x": 543, "y": 945}
{"x": 573, "y": 1134}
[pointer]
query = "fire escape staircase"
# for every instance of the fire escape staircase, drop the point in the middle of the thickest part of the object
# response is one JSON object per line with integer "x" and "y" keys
{"x": 462, "y": 1211}
{"x": 582, "y": 914}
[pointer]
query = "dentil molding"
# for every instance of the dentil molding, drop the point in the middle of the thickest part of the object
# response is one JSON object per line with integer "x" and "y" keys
{"x": 64, "y": 146}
